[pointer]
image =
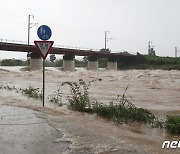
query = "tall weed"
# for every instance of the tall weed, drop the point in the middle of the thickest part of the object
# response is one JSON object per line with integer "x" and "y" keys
{"x": 56, "y": 97}
{"x": 79, "y": 95}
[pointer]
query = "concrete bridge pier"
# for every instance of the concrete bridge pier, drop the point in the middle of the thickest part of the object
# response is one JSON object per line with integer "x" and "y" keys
{"x": 36, "y": 61}
{"x": 68, "y": 63}
{"x": 92, "y": 63}
{"x": 112, "y": 64}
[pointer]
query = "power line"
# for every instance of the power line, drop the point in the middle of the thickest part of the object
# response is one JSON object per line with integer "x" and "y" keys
{"x": 72, "y": 28}
{"x": 7, "y": 14}
{"x": 13, "y": 19}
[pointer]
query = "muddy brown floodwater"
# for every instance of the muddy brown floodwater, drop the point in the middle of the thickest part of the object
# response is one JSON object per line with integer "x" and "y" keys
{"x": 155, "y": 90}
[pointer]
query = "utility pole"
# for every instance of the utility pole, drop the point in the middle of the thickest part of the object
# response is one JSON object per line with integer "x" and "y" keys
{"x": 107, "y": 39}
{"x": 149, "y": 47}
{"x": 176, "y": 50}
{"x": 151, "y": 50}
{"x": 30, "y": 25}
{"x": 29, "y": 17}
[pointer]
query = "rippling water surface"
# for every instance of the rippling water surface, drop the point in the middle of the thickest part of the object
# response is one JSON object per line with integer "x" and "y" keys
{"x": 155, "y": 90}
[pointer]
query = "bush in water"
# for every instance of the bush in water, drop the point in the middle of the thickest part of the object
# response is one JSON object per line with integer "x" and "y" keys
{"x": 172, "y": 124}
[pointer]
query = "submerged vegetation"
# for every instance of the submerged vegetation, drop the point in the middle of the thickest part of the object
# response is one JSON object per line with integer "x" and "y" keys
{"x": 56, "y": 98}
{"x": 120, "y": 111}
{"x": 30, "y": 91}
{"x": 7, "y": 87}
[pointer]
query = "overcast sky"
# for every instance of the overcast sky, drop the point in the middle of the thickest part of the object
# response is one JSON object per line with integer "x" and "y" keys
{"x": 82, "y": 23}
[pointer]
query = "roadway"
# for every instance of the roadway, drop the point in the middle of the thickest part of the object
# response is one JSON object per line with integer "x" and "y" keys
{"x": 24, "y": 131}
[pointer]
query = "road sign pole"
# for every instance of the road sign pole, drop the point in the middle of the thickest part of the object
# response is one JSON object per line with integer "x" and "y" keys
{"x": 43, "y": 47}
{"x": 43, "y": 80}
{"x": 44, "y": 33}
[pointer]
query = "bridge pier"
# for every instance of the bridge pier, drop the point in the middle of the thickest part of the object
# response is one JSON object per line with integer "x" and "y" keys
{"x": 35, "y": 61}
{"x": 68, "y": 63}
{"x": 112, "y": 64}
{"x": 92, "y": 63}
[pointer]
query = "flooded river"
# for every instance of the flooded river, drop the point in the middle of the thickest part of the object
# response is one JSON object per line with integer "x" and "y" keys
{"x": 155, "y": 90}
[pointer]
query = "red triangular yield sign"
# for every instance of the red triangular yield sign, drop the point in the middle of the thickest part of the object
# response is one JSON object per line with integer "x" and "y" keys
{"x": 44, "y": 47}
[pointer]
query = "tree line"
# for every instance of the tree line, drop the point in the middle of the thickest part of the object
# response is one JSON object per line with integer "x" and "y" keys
{"x": 136, "y": 62}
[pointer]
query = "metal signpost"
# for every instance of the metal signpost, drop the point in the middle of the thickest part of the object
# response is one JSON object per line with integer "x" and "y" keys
{"x": 44, "y": 47}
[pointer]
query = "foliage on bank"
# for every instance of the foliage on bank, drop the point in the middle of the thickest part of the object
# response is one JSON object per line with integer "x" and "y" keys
{"x": 149, "y": 62}
{"x": 123, "y": 63}
{"x": 13, "y": 62}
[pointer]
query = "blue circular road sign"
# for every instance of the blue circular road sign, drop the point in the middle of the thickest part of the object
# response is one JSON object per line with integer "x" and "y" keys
{"x": 44, "y": 32}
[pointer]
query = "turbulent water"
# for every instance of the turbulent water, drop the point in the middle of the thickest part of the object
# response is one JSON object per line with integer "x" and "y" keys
{"x": 155, "y": 90}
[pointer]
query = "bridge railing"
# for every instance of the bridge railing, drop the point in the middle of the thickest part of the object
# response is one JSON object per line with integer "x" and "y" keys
{"x": 77, "y": 48}
{"x": 55, "y": 45}
{"x": 12, "y": 41}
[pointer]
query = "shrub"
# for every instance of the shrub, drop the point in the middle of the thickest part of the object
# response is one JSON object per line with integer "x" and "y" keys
{"x": 102, "y": 110}
{"x": 120, "y": 113}
{"x": 172, "y": 124}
